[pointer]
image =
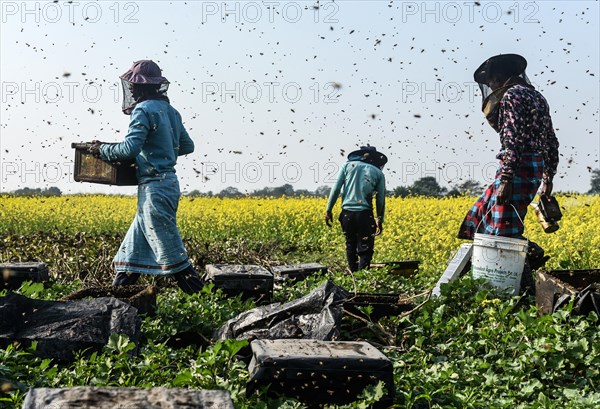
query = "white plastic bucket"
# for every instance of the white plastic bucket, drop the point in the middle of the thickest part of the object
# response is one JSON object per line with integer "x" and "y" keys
{"x": 499, "y": 260}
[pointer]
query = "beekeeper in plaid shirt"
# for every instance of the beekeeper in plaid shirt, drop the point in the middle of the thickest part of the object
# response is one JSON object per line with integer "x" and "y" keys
{"x": 529, "y": 148}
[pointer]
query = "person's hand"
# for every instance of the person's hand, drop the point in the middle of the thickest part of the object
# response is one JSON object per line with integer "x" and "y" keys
{"x": 95, "y": 148}
{"x": 379, "y": 229}
{"x": 328, "y": 218}
{"x": 546, "y": 188}
{"x": 504, "y": 192}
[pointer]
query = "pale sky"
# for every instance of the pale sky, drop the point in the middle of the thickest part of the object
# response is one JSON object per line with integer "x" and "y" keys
{"x": 276, "y": 92}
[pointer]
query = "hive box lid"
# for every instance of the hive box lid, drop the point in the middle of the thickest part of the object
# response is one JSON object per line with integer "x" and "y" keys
{"x": 575, "y": 280}
{"x": 298, "y": 268}
{"x": 316, "y": 355}
{"x": 383, "y": 305}
{"x": 111, "y": 398}
{"x": 13, "y": 275}
{"x": 237, "y": 271}
{"x": 33, "y": 266}
{"x": 319, "y": 372}
{"x": 455, "y": 268}
{"x": 405, "y": 268}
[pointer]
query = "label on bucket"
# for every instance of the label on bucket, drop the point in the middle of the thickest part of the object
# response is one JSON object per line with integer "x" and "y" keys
{"x": 505, "y": 280}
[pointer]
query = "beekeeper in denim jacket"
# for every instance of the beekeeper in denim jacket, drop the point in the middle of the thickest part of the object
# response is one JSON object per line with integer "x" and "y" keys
{"x": 156, "y": 137}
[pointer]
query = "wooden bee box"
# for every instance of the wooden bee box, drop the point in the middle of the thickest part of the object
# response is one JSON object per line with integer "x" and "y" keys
{"x": 250, "y": 281}
{"x": 296, "y": 272}
{"x": 113, "y": 398}
{"x": 318, "y": 372}
{"x": 383, "y": 305}
{"x": 90, "y": 169}
{"x": 13, "y": 275}
{"x": 552, "y": 285}
{"x": 401, "y": 268}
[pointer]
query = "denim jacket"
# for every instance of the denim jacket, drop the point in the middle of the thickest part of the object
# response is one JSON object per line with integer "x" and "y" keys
{"x": 156, "y": 137}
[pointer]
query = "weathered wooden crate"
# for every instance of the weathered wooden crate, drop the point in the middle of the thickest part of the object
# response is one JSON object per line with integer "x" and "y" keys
{"x": 114, "y": 398}
{"x": 296, "y": 272}
{"x": 250, "y": 281}
{"x": 554, "y": 284}
{"x": 383, "y": 305}
{"x": 319, "y": 372}
{"x": 13, "y": 275}
{"x": 90, "y": 169}
{"x": 143, "y": 298}
{"x": 402, "y": 268}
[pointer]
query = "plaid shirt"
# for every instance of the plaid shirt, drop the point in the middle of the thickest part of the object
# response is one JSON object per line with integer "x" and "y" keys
{"x": 526, "y": 127}
{"x": 505, "y": 220}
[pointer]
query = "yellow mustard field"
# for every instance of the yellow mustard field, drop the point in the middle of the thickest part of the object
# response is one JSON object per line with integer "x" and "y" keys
{"x": 293, "y": 229}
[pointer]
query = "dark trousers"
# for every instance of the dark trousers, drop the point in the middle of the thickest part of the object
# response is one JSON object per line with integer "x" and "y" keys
{"x": 359, "y": 229}
{"x": 188, "y": 280}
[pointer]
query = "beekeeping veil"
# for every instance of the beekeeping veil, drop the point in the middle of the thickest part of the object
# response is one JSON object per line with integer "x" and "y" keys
{"x": 495, "y": 76}
{"x": 141, "y": 82}
{"x": 369, "y": 154}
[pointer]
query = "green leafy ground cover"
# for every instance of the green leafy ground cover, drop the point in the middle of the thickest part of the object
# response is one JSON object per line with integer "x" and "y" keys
{"x": 465, "y": 349}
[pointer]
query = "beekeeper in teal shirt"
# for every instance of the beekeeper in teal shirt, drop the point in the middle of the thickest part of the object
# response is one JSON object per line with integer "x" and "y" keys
{"x": 359, "y": 180}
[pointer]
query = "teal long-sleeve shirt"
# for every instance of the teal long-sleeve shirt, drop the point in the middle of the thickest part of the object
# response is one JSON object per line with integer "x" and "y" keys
{"x": 358, "y": 182}
{"x": 156, "y": 137}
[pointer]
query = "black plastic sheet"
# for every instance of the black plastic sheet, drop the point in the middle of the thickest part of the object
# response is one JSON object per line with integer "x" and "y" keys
{"x": 62, "y": 327}
{"x": 317, "y": 315}
{"x": 586, "y": 301}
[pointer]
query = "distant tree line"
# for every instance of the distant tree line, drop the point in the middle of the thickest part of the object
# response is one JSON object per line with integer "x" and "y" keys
{"x": 426, "y": 186}
{"x": 26, "y": 191}
{"x": 595, "y": 190}
{"x": 286, "y": 190}
{"x": 429, "y": 186}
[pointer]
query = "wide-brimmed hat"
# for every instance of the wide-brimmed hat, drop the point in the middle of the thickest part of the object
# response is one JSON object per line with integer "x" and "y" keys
{"x": 507, "y": 64}
{"x": 144, "y": 72}
{"x": 370, "y": 155}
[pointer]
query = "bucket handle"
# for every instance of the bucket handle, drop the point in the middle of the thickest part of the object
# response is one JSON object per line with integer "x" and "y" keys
{"x": 518, "y": 216}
